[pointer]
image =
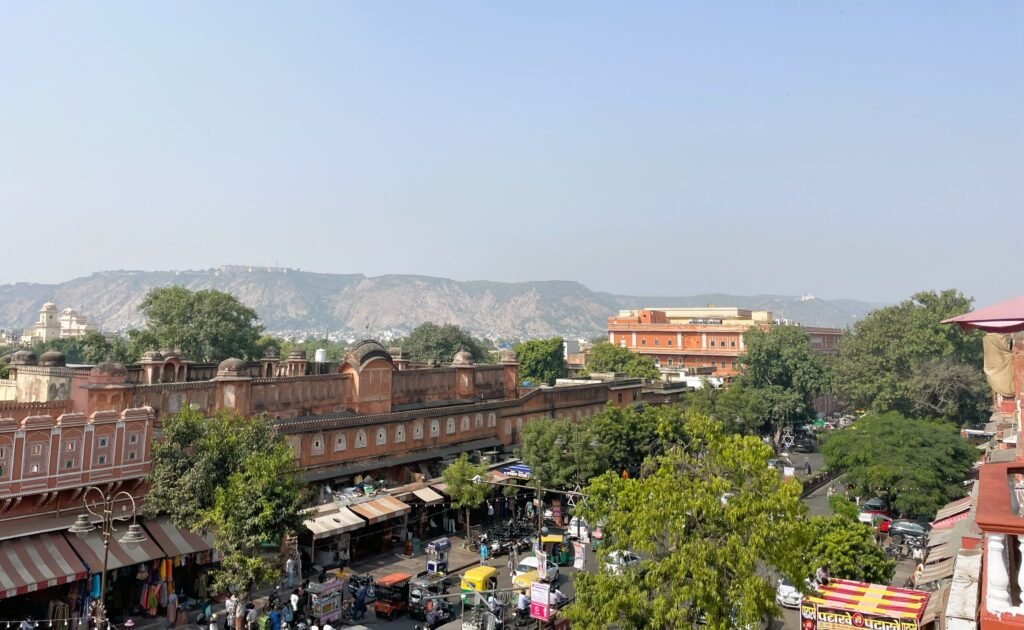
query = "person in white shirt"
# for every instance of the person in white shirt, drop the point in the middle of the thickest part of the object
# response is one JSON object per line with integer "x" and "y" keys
{"x": 295, "y": 600}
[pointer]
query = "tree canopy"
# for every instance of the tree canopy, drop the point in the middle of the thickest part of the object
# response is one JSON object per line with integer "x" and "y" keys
{"x": 848, "y": 548}
{"x": 607, "y": 357}
{"x": 92, "y": 347}
{"x": 230, "y": 475}
{"x": 780, "y": 366}
{"x": 541, "y": 360}
{"x": 710, "y": 517}
{"x": 466, "y": 493}
{"x": 205, "y": 325}
{"x": 430, "y": 342}
{"x": 901, "y": 358}
{"x": 561, "y": 453}
{"x": 919, "y": 464}
{"x": 740, "y": 409}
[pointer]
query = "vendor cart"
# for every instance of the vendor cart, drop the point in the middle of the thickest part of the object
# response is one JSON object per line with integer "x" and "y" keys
{"x": 437, "y": 555}
{"x": 392, "y": 595}
{"x": 325, "y": 601}
{"x": 422, "y": 590}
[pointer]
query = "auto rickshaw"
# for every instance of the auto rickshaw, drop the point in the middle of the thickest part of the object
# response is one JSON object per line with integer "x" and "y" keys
{"x": 478, "y": 579}
{"x": 558, "y": 548}
{"x": 526, "y": 580}
{"x": 392, "y": 595}
{"x": 421, "y": 589}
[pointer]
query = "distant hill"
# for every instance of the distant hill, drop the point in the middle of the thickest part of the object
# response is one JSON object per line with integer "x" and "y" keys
{"x": 303, "y": 303}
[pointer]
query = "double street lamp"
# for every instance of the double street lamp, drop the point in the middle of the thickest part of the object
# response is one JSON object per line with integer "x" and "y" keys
{"x": 102, "y": 507}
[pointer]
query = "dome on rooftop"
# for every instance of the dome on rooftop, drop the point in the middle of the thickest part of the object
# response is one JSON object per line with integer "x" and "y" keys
{"x": 24, "y": 357}
{"x": 109, "y": 368}
{"x": 366, "y": 350}
{"x": 53, "y": 358}
{"x": 232, "y": 367}
{"x": 462, "y": 358}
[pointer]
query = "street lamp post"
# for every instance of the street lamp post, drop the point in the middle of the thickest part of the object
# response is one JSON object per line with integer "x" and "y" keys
{"x": 102, "y": 507}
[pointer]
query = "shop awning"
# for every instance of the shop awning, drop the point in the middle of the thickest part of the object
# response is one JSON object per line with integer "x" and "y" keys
{"x": 174, "y": 541}
{"x": 949, "y": 522}
{"x": 332, "y": 520}
{"x": 90, "y": 549}
{"x": 428, "y": 496}
{"x": 937, "y": 571}
{"x": 1004, "y": 317}
{"x": 440, "y": 487}
{"x": 888, "y": 601}
{"x": 36, "y": 562}
{"x": 517, "y": 471}
{"x": 953, "y": 508}
{"x": 939, "y": 537}
{"x": 936, "y": 605}
{"x": 381, "y": 509}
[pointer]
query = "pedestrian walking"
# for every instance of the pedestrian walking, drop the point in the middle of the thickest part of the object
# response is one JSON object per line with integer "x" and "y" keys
{"x": 294, "y": 600}
{"x": 289, "y": 571}
{"x": 484, "y": 552}
{"x": 359, "y": 609}
{"x": 250, "y": 616}
{"x": 230, "y": 610}
{"x": 512, "y": 564}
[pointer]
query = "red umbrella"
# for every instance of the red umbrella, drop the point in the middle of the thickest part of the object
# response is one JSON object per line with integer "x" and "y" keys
{"x": 1004, "y": 317}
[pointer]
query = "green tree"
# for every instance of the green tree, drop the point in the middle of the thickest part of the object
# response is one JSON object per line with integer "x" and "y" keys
{"x": 875, "y": 365}
{"x": 628, "y": 435}
{"x": 261, "y": 500}
{"x": 607, "y": 357}
{"x": 230, "y": 475}
{"x": 740, "y": 409}
{"x": 948, "y": 389}
{"x": 848, "y": 548}
{"x": 781, "y": 367}
{"x": 205, "y": 325}
{"x": 711, "y": 518}
{"x": 431, "y": 342}
{"x": 465, "y": 492}
{"x": 541, "y": 360}
{"x": 91, "y": 348}
{"x": 561, "y": 453}
{"x": 919, "y": 464}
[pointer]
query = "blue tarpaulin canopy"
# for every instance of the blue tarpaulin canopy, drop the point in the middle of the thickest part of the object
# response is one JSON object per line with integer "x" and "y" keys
{"x": 519, "y": 471}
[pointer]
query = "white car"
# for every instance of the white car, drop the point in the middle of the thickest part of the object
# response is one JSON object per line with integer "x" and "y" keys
{"x": 530, "y": 564}
{"x": 618, "y": 562}
{"x": 578, "y": 529}
{"x": 787, "y": 595}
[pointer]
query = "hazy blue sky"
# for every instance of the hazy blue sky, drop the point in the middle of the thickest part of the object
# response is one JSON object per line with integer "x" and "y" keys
{"x": 861, "y": 150}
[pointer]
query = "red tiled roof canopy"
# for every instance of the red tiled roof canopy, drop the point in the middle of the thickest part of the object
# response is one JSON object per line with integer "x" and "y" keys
{"x": 1004, "y": 317}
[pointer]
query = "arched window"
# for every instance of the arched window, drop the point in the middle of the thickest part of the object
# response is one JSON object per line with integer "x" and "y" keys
{"x": 465, "y": 423}
{"x": 492, "y": 419}
{"x": 340, "y": 442}
{"x": 451, "y": 426}
{"x": 435, "y": 428}
{"x": 478, "y": 421}
{"x": 361, "y": 438}
{"x": 382, "y": 436}
{"x": 400, "y": 433}
{"x": 417, "y": 430}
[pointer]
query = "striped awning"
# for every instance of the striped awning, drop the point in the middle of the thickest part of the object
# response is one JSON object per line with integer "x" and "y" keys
{"x": 174, "y": 541}
{"x": 428, "y": 496}
{"x": 939, "y": 537}
{"x": 938, "y": 571}
{"x": 32, "y": 563}
{"x": 950, "y": 521}
{"x": 381, "y": 509}
{"x": 875, "y": 599}
{"x": 954, "y": 508}
{"x": 90, "y": 549}
{"x": 332, "y": 520}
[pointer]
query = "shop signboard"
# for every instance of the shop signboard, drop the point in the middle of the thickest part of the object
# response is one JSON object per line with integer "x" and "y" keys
{"x": 818, "y": 617}
{"x": 850, "y": 605}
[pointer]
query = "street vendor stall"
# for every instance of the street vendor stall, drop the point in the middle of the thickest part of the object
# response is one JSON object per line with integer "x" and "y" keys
{"x": 849, "y": 605}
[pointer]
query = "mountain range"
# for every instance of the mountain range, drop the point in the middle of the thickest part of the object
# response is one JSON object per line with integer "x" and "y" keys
{"x": 301, "y": 303}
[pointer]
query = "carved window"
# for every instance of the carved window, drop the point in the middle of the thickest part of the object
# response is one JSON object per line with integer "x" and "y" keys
{"x": 37, "y": 450}
{"x": 318, "y": 444}
{"x": 478, "y": 421}
{"x": 5, "y": 454}
{"x": 340, "y": 442}
{"x": 131, "y": 456}
{"x": 465, "y": 423}
{"x": 101, "y": 460}
{"x": 508, "y": 426}
{"x": 361, "y": 438}
{"x": 382, "y": 436}
{"x": 400, "y": 433}
{"x": 103, "y": 442}
{"x": 417, "y": 431}
{"x": 435, "y": 428}
{"x": 492, "y": 419}
{"x": 133, "y": 438}
{"x": 451, "y": 426}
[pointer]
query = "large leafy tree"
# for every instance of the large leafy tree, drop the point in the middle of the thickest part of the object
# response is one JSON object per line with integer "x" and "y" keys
{"x": 711, "y": 518}
{"x": 230, "y": 475}
{"x": 892, "y": 358}
{"x": 920, "y": 464}
{"x": 430, "y": 342}
{"x": 627, "y": 435}
{"x": 740, "y": 409}
{"x": 781, "y": 367}
{"x": 465, "y": 492}
{"x": 607, "y": 357}
{"x": 541, "y": 360}
{"x": 205, "y": 325}
{"x": 561, "y": 453}
{"x": 92, "y": 347}
{"x": 848, "y": 548}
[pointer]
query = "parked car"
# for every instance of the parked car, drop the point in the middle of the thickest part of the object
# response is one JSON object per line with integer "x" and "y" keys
{"x": 804, "y": 446}
{"x": 903, "y": 528}
{"x": 529, "y": 563}
{"x": 876, "y": 504}
{"x": 787, "y": 595}
{"x": 879, "y": 521}
{"x": 619, "y": 562}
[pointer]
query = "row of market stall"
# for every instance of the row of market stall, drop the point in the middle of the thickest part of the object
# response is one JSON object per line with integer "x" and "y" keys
{"x": 54, "y": 576}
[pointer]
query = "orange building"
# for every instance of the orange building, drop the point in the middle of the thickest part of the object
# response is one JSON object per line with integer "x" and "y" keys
{"x": 680, "y": 339}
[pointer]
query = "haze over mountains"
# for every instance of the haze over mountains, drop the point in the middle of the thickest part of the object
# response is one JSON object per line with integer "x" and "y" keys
{"x": 300, "y": 303}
